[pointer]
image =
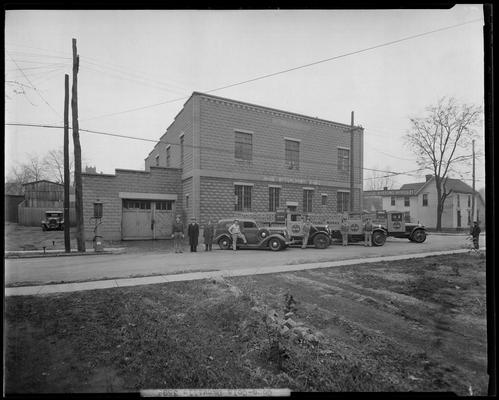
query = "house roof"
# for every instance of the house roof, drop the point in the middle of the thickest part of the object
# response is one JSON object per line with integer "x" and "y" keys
{"x": 42, "y": 180}
{"x": 412, "y": 186}
{"x": 456, "y": 185}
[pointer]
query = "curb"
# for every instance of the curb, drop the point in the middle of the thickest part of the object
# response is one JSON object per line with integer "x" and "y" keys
{"x": 190, "y": 276}
{"x": 60, "y": 253}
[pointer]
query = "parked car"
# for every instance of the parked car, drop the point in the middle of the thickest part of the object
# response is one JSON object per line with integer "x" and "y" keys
{"x": 54, "y": 220}
{"x": 258, "y": 237}
{"x": 319, "y": 235}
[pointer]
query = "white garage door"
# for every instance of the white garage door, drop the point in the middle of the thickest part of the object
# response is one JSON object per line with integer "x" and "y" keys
{"x": 147, "y": 219}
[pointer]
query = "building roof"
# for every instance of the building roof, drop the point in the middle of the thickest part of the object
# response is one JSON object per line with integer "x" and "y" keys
{"x": 42, "y": 180}
{"x": 456, "y": 185}
{"x": 412, "y": 186}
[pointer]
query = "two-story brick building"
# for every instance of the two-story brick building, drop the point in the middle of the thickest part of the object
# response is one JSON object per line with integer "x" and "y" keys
{"x": 233, "y": 158}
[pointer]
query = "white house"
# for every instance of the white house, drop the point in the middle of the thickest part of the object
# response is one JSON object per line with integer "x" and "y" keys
{"x": 419, "y": 202}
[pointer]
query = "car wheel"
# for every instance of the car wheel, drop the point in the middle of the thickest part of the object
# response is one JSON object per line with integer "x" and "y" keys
{"x": 224, "y": 243}
{"x": 419, "y": 236}
{"x": 321, "y": 241}
{"x": 263, "y": 234}
{"x": 378, "y": 238}
{"x": 275, "y": 244}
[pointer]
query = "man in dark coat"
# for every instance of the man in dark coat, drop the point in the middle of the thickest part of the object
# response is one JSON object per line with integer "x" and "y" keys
{"x": 208, "y": 232}
{"x": 475, "y": 233}
{"x": 193, "y": 233}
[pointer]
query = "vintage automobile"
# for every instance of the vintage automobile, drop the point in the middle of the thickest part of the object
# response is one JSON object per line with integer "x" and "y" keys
{"x": 395, "y": 225}
{"x": 319, "y": 236}
{"x": 54, "y": 220}
{"x": 258, "y": 237}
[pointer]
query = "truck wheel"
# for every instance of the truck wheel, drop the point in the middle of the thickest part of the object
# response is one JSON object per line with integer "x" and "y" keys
{"x": 224, "y": 243}
{"x": 378, "y": 238}
{"x": 419, "y": 236}
{"x": 321, "y": 241}
{"x": 275, "y": 244}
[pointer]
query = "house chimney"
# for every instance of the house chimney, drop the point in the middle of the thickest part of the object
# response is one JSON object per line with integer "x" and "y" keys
{"x": 428, "y": 177}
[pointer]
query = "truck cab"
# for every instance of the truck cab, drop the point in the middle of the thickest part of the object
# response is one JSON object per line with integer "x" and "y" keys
{"x": 396, "y": 226}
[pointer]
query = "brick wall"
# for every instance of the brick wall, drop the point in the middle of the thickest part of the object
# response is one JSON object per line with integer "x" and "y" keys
{"x": 318, "y": 147}
{"x": 105, "y": 188}
{"x": 183, "y": 123}
{"x": 187, "y": 211}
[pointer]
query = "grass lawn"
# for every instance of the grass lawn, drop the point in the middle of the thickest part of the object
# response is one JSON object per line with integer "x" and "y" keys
{"x": 416, "y": 325}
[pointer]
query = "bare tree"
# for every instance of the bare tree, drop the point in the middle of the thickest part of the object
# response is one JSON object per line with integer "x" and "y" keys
{"x": 31, "y": 170}
{"x": 378, "y": 180}
{"x": 441, "y": 140}
{"x": 54, "y": 165}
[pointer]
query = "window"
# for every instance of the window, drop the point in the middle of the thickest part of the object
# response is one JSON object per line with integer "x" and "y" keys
{"x": 342, "y": 201}
{"x": 243, "y": 198}
{"x": 274, "y": 195}
{"x": 243, "y": 146}
{"x": 397, "y": 217}
{"x": 324, "y": 199}
{"x": 165, "y": 205}
{"x": 186, "y": 201}
{"x": 407, "y": 201}
{"x": 182, "y": 150}
{"x": 469, "y": 201}
{"x": 292, "y": 153}
{"x": 458, "y": 201}
{"x": 307, "y": 200}
{"x": 157, "y": 160}
{"x": 407, "y": 216}
{"x": 249, "y": 224}
{"x": 168, "y": 155}
{"x": 392, "y": 200}
{"x": 343, "y": 160}
{"x": 425, "y": 200}
{"x": 469, "y": 217}
{"x": 137, "y": 204}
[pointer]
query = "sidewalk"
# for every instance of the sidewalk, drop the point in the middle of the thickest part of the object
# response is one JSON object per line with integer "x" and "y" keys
{"x": 115, "y": 283}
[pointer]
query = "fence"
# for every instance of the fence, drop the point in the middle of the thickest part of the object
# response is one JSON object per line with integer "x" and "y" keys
{"x": 33, "y": 216}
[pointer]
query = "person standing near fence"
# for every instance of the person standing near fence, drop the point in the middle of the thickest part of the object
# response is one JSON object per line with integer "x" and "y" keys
{"x": 193, "y": 233}
{"x": 208, "y": 232}
{"x": 368, "y": 232}
{"x": 475, "y": 233}
{"x": 178, "y": 234}
{"x": 344, "y": 231}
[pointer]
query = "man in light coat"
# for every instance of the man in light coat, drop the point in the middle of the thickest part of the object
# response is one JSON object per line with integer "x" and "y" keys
{"x": 235, "y": 232}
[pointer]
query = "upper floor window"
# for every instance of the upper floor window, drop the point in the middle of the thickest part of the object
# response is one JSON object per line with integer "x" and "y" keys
{"x": 243, "y": 198}
{"x": 182, "y": 149}
{"x": 307, "y": 200}
{"x": 243, "y": 146}
{"x": 292, "y": 153}
{"x": 274, "y": 194}
{"x": 343, "y": 160}
{"x": 458, "y": 201}
{"x": 392, "y": 200}
{"x": 157, "y": 160}
{"x": 425, "y": 200}
{"x": 324, "y": 199}
{"x": 469, "y": 200}
{"x": 407, "y": 201}
{"x": 342, "y": 202}
{"x": 168, "y": 155}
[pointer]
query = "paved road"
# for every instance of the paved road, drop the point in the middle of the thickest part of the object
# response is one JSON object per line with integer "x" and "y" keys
{"x": 70, "y": 269}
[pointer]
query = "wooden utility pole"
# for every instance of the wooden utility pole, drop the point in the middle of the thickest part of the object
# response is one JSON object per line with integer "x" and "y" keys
{"x": 80, "y": 236}
{"x": 473, "y": 198}
{"x": 67, "y": 239}
{"x": 352, "y": 175}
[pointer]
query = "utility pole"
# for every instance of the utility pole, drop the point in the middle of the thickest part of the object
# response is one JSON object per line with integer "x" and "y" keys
{"x": 80, "y": 236}
{"x": 473, "y": 198}
{"x": 352, "y": 175}
{"x": 67, "y": 240}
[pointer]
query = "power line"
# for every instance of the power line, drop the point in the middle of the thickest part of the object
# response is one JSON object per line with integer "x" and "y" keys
{"x": 291, "y": 69}
{"x": 35, "y": 89}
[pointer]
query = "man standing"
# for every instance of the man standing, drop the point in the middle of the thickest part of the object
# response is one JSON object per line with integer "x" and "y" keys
{"x": 306, "y": 233}
{"x": 235, "y": 232}
{"x": 193, "y": 233}
{"x": 475, "y": 233}
{"x": 344, "y": 231}
{"x": 178, "y": 234}
{"x": 208, "y": 233}
{"x": 368, "y": 232}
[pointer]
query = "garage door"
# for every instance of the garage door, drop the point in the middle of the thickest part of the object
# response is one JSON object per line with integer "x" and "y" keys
{"x": 147, "y": 219}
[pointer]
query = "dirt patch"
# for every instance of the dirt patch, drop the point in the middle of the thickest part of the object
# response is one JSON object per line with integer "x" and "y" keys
{"x": 353, "y": 329}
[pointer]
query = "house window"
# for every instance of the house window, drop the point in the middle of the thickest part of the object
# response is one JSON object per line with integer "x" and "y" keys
{"x": 469, "y": 201}
{"x": 157, "y": 160}
{"x": 342, "y": 201}
{"x": 165, "y": 205}
{"x": 168, "y": 155}
{"x": 182, "y": 150}
{"x": 307, "y": 200}
{"x": 343, "y": 160}
{"x": 425, "y": 200}
{"x": 469, "y": 217}
{"x": 186, "y": 201}
{"x": 274, "y": 195}
{"x": 458, "y": 201}
{"x": 407, "y": 201}
{"x": 243, "y": 146}
{"x": 243, "y": 198}
{"x": 324, "y": 199}
{"x": 392, "y": 200}
{"x": 292, "y": 154}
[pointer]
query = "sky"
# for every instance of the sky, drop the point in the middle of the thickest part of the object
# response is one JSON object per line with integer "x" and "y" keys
{"x": 152, "y": 61}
